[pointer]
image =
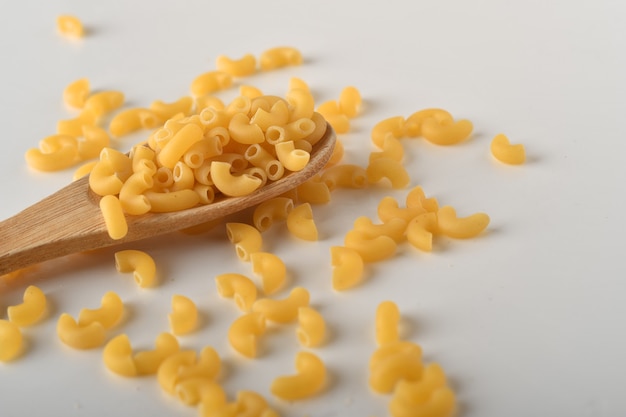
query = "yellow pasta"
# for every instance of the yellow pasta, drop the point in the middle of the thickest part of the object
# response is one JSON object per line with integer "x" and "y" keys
{"x": 207, "y": 365}
{"x": 180, "y": 143}
{"x": 168, "y": 110}
{"x": 83, "y": 170}
{"x": 258, "y": 156}
{"x": 393, "y": 362}
{"x": 238, "y": 286}
{"x": 168, "y": 371}
{"x": 80, "y": 337}
{"x": 243, "y": 131}
{"x": 197, "y": 390}
{"x": 232, "y": 185}
{"x": 103, "y": 102}
{"x": 241, "y": 67}
{"x": 11, "y": 341}
{"x": 387, "y": 322}
{"x": 446, "y": 133}
{"x": 266, "y": 213}
{"x": 311, "y": 329}
{"x": 420, "y": 230}
{"x": 76, "y": 93}
{"x": 392, "y": 125}
{"x": 272, "y": 270}
{"x": 391, "y": 148}
{"x": 208, "y": 101}
{"x": 172, "y": 201}
{"x": 131, "y": 194}
{"x": 244, "y": 332}
{"x": 249, "y": 91}
{"x": 55, "y": 153}
{"x": 296, "y": 83}
{"x": 70, "y": 26}
{"x": 308, "y": 381}
{"x": 350, "y": 101}
{"x": 302, "y": 103}
{"x": 313, "y": 191}
{"x": 108, "y": 315}
{"x": 413, "y": 123}
{"x": 348, "y": 268}
{"x": 460, "y": 227}
{"x": 113, "y": 217}
{"x": 371, "y": 249}
{"x": 74, "y": 126}
{"x": 94, "y": 140}
{"x": 31, "y": 310}
{"x": 389, "y": 168}
{"x": 148, "y": 362}
{"x": 210, "y": 82}
{"x": 300, "y": 222}
{"x": 131, "y": 120}
{"x": 117, "y": 356}
{"x": 247, "y": 239}
{"x": 140, "y": 263}
{"x": 388, "y": 208}
{"x": 505, "y": 152}
{"x": 344, "y": 175}
{"x": 292, "y": 159}
{"x": 417, "y": 198}
{"x": 184, "y": 316}
{"x": 284, "y": 310}
{"x": 278, "y": 114}
{"x": 394, "y": 228}
{"x": 279, "y": 57}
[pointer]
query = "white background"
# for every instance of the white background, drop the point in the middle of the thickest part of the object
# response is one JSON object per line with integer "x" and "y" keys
{"x": 527, "y": 320}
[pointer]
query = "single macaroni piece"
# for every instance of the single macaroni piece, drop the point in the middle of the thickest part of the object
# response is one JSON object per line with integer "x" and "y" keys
{"x": 208, "y": 101}
{"x": 131, "y": 120}
{"x": 277, "y": 115}
{"x": 313, "y": 191}
{"x": 108, "y": 315}
{"x": 387, "y": 322}
{"x": 210, "y": 82}
{"x": 244, "y": 332}
{"x": 348, "y": 268}
{"x": 350, "y": 101}
{"x": 420, "y": 230}
{"x": 284, "y": 310}
{"x": 460, "y": 227}
{"x": 70, "y": 26}
{"x": 241, "y": 67}
{"x": 246, "y": 238}
{"x": 166, "y": 111}
{"x": 261, "y": 158}
{"x": 298, "y": 83}
{"x": 413, "y": 123}
{"x": 446, "y": 133}
{"x": 131, "y": 194}
{"x": 279, "y": 57}
{"x": 266, "y": 213}
{"x": 243, "y": 131}
{"x": 344, "y": 175}
{"x": 249, "y": 91}
{"x": 31, "y": 310}
{"x": 417, "y": 198}
{"x": 76, "y": 93}
{"x": 117, "y": 356}
{"x": 429, "y": 396}
{"x": 394, "y": 227}
{"x": 505, "y": 152}
{"x": 54, "y": 154}
{"x": 292, "y": 159}
{"x": 272, "y": 270}
{"x": 391, "y": 125}
{"x": 113, "y": 217}
{"x": 140, "y": 263}
{"x": 301, "y": 224}
{"x": 180, "y": 143}
{"x": 213, "y": 400}
{"x": 388, "y": 208}
{"x": 393, "y": 362}
{"x": 302, "y": 103}
{"x": 94, "y": 140}
{"x": 172, "y": 201}
{"x": 208, "y": 365}
{"x": 371, "y": 249}
{"x": 168, "y": 372}
{"x": 148, "y": 362}
{"x": 239, "y": 287}
{"x": 83, "y": 170}
{"x": 309, "y": 379}
{"x": 80, "y": 337}
{"x": 184, "y": 316}
{"x": 232, "y": 185}
{"x": 11, "y": 341}
{"x": 391, "y": 148}
{"x": 389, "y": 168}
{"x": 103, "y": 102}
{"x": 311, "y": 329}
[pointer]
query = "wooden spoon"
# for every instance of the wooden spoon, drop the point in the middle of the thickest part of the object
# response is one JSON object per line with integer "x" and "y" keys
{"x": 70, "y": 220}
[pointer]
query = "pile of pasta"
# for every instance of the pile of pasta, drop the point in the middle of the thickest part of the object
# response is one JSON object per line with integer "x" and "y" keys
{"x": 199, "y": 147}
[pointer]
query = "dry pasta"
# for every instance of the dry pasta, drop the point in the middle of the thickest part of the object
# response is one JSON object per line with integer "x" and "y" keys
{"x": 55, "y": 153}
{"x": 80, "y": 337}
{"x": 417, "y": 198}
{"x": 292, "y": 159}
{"x": 168, "y": 371}
{"x": 505, "y": 152}
{"x": 308, "y": 381}
{"x": 282, "y": 56}
{"x": 460, "y": 227}
{"x": 284, "y": 310}
{"x": 387, "y": 322}
{"x": 420, "y": 230}
{"x": 166, "y": 111}
{"x": 446, "y": 133}
{"x": 11, "y": 341}
{"x": 311, "y": 329}
{"x": 233, "y": 185}
{"x": 389, "y": 168}
{"x": 244, "y": 332}
{"x": 148, "y": 362}
{"x": 388, "y": 208}
{"x": 244, "y": 66}
{"x": 108, "y": 315}
{"x": 413, "y": 123}
{"x": 348, "y": 268}
{"x": 31, "y": 310}
{"x": 266, "y": 213}
{"x": 184, "y": 316}
{"x": 113, "y": 217}
{"x": 349, "y": 101}
{"x": 246, "y": 238}
{"x": 76, "y": 93}
{"x": 392, "y": 125}
{"x": 140, "y": 263}
{"x": 130, "y": 120}
{"x": 313, "y": 191}
{"x": 239, "y": 287}
{"x": 210, "y": 82}
{"x": 103, "y": 102}
{"x": 393, "y": 362}
{"x": 70, "y": 26}
{"x": 394, "y": 227}
{"x": 94, "y": 140}
{"x": 117, "y": 356}
{"x": 300, "y": 222}
{"x": 272, "y": 270}
{"x": 371, "y": 249}
{"x": 345, "y": 175}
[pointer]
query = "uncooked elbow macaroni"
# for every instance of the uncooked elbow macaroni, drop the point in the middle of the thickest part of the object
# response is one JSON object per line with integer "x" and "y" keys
{"x": 350, "y": 101}
{"x": 80, "y": 337}
{"x": 184, "y": 316}
{"x": 239, "y": 287}
{"x": 70, "y": 26}
{"x": 388, "y": 208}
{"x": 460, "y": 227}
{"x": 131, "y": 120}
{"x": 505, "y": 152}
{"x": 140, "y": 263}
{"x": 94, "y": 140}
{"x": 292, "y": 159}
{"x": 55, "y": 153}
{"x": 103, "y": 102}
{"x": 282, "y": 56}
{"x": 108, "y": 315}
{"x": 420, "y": 230}
{"x": 300, "y": 222}
{"x": 210, "y": 82}
{"x": 266, "y": 213}
{"x": 387, "y": 322}
{"x": 12, "y": 341}
{"x": 166, "y": 111}
{"x": 345, "y": 175}
{"x": 308, "y": 381}
{"x": 283, "y": 310}
{"x": 348, "y": 268}
{"x": 311, "y": 329}
{"x": 313, "y": 191}
{"x": 232, "y": 185}
{"x": 244, "y": 66}
{"x": 391, "y": 148}
{"x": 31, "y": 310}
{"x": 246, "y": 238}
{"x": 371, "y": 249}
{"x": 393, "y": 362}
{"x": 147, "y": 362}
{"x": 168, "y": 371}
{"x": 272, "y": 270}
{"x": 413, "y": 123}
{"x": 76, "y": 93}
{"x": 389, "y": 168}
{"x": 114, "y": 218}
{"x": 394, "y": 227}
{"x": 117, "y": 356}
{"x": 417, "y": 198}
{"x": 244, "y": 332}
{"x": 446, "y": 133}
{"x": 392, "y": 125}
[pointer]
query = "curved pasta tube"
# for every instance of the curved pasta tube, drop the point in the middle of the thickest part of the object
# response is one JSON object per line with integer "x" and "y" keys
{"x": 308, "y": 381}
{"x": 417, "y": 198}
{"x": 344, "y": 175}
{"x": 505, "y": 152}
{"x": 183, "y": 176}
{"x": 242, "y": 130}
{"x": 208, "y": 101}
{"x": 413, "y": 123}
{"x": 392, "y": 363}
{"x": 208, "y": 365}
{"x": 371, "y": 249}
{"x": 210, "y": 82}
{"x": 284, "y": 310}
{"x": 131, "y": 194}
{"x": 167, "y": 110}
{"x": 180, "y": 143}
{"x": 278, "y": 57}
{"x": 388, "y": 208}
{"x": 302, "y": 103}
{"x": 131, "y": 120}
{"x": 103, "y": 179}
{"x": 193, "y": 391}
{"x": 272, "y": 270}
{"x": 250, "y": 404}
{"x": 314, "y": 191}
{"x": 260, "y": 157}
{"x": 401, "y": 346}
{"x": 277, "y": 115}
{"x": 56, "y": 152}
{"x": 250, "y": 91}
{"x": 168, "y": 372}
{"x": 301, "y": 224}
{"x": 394, "y": 227}
{"x": 339, "y": 122}
{"x": 83, "y": 170}
{"x": 95, "y": 139}
{"x": 238, "y": 286}
{"x": 74, "y": 126}
{"x": 460, "y": 227}
{"x": 393, "y": 125}
{"x": 108, "y": 315}
{"x": 246, "y": 65}
{"x": 148, "y": 362}
{"x": 246, "y": 238}
{"x": 266, "y": 213}
{"x": 99, "y": 104}
{"x": 292, "y": 159}
{"x": 114, "y": 218}
{"x": 311, "y": 329}
{"x": 76, "y": 93}
{"x": 387, "y": 322}
{"x": 300, "y": 128}
{"x": 241, "y": 104}
{"x": 172, "y": 201}
{"x": 350, "y": 101}
{"x": 244, "y": 332}
{"x": 348, "y": 268}
{"x": 320, "y": 129}
{"x": 12, "y": 341}
{"x": 77, "y": 337}
{"x": 391, "y": 148}
{"x": 117, "y": 356}
{"x": 232, "y": 185}
{"x": 140, "y": 263}
{"x": 31, "y": 310}
{"x": 389, "y": 168}
{"x": 337, "y": 155}
{"x": 298, "y": 83}
{"x": 446, "y": 133}
{"x": 184, "y": 316}
{"x": 70, "y": 26}
{"x": 419, "y": 231}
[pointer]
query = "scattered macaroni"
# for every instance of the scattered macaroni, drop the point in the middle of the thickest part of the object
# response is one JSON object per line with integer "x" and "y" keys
{"x": 393, "y": 362}
{"x": 301, "y": 224}
{"x": 247, "y": 239}
{"x": 344, "y": 175}
{"x": 371, "y": 249}
{"x": 70, "y": 26}
{"x": 55, "y": 153}
{"x": 108, "y": 315}
{"x": 140, "y": 264}
{"x": 389, "y": 168}
{"x": 308, "y": 381}
{"x": 279, "y": 57}
{"x": 113, "y": 217}
{"x": 80, "y": 337}
{"x": 31, "y": 310}
{"x": 244, "y": 332}
{"x": 392, "y": 125}
{"x": 272, "y": 270}
{"x": 267, "y": 212}
{"x": 117, "y": 356}
{"x": 311, "y": 329}
{"x": 460, "y": 227}
{"x": 420, "y": 230}
{"x": 10, "y": 341}
{"x": 76, "y": 93}
{"x": 387, "y": 320}
{"x": 148, "y": 362}
{"x": 284, "y": 310}
{"x": 210, "y": 82}
{"x": 350, "y": 101}
{"x": 446, "y": 133}
{"x": 184, "y": 316}
{"x": 238, "y": 286}
{"x": 348, "y": 268}
{"x": 505, "y": 152}
{"x": 388, "y": 208}
{"x": 394, "y": 228}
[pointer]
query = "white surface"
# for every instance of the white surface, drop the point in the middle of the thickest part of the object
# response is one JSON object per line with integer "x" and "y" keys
{"x": 526, "y": 320}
